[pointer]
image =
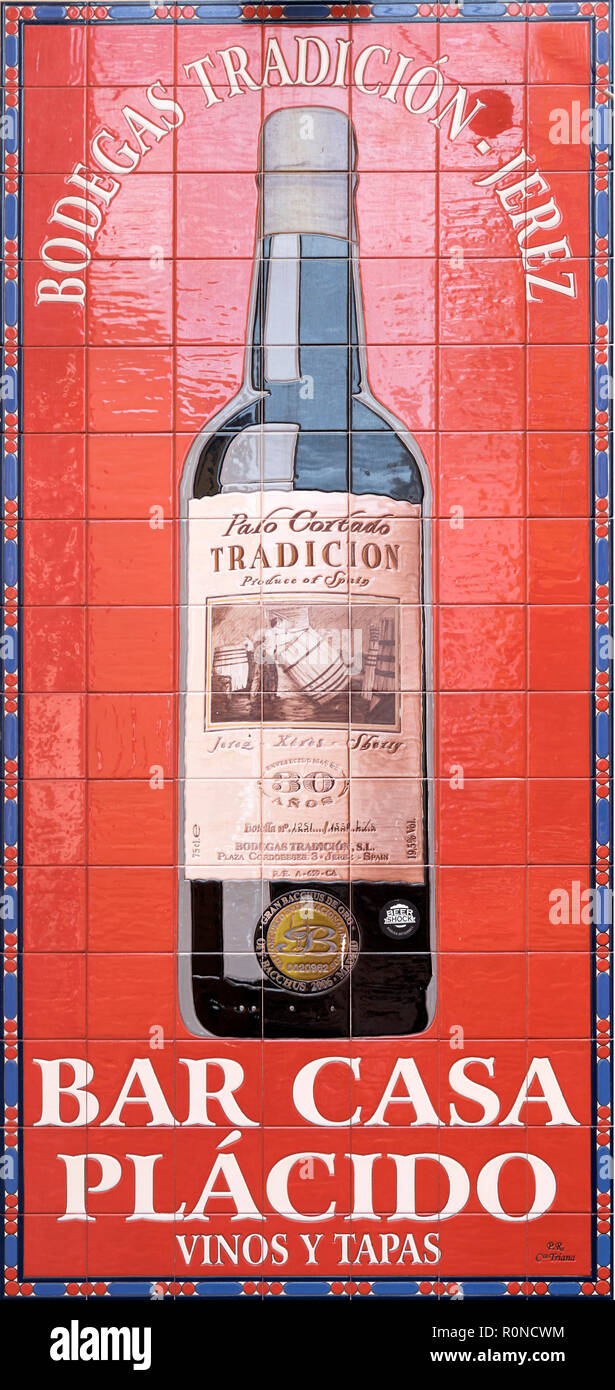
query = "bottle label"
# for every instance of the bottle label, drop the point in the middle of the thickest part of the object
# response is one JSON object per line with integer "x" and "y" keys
{"x": 303, "y": 730}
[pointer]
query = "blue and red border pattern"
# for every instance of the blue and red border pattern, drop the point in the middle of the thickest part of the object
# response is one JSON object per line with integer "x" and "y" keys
{"x": 598, "y": 14}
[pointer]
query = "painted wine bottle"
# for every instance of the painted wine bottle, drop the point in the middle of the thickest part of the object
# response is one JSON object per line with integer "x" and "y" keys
{"x": 305, "y": 896}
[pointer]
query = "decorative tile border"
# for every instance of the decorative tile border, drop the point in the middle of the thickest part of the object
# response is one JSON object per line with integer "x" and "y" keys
{"x": 15, "y": 18}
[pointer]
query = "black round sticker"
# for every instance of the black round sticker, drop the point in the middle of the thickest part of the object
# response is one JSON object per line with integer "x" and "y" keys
{"x": 399, "y": 918}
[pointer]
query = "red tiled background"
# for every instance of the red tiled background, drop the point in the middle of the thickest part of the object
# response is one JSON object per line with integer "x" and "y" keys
{"x": 496, "y": 390}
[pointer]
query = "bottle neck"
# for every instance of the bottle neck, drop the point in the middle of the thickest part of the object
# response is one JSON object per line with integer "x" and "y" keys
{"x": 307, "y": 315}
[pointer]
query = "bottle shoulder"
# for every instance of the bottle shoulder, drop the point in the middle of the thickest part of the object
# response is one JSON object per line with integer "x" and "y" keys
{"x": 385, "y": 456}
{"x": 241, "y": 450}
{"x": 206, "y": 456}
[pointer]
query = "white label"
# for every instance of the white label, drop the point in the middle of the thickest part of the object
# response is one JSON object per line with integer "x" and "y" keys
{"x": 303, "y": 753}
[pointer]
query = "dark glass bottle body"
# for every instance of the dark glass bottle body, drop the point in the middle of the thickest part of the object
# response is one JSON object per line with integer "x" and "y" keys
{"x": 344, "y": 442}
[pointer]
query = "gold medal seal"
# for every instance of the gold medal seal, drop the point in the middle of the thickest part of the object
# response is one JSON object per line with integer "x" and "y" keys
{"x": 307, "y": 941}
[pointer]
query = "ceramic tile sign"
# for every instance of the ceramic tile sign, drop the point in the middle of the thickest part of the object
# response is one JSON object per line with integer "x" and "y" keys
{"x": 306, "y": 655}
